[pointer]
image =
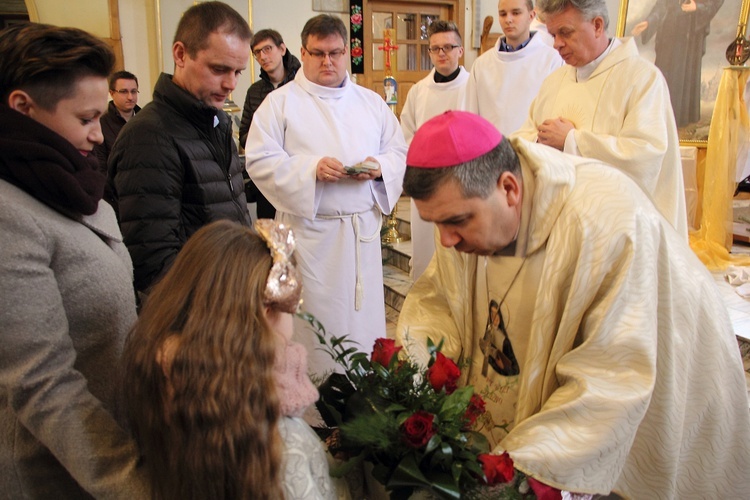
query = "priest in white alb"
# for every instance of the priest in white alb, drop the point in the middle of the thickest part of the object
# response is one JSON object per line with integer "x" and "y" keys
{"x": 304, "y": 151}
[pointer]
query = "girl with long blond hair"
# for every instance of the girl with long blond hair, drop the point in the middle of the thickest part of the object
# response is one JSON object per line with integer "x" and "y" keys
{"x": 214, "y": 387}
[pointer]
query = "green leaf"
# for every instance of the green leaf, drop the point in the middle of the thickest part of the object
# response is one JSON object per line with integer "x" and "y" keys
{"x": 443, "y": 457}
{"x": 395, "y": 408}
{"x": 376, "y": 430}
{"x": 478, "y": 442}
{"x": 456, "y": 471}
{"x": 334, "y": 393}
{"x": 407, "y": 473}
{"x": 381, "y": 371}
{"x": 474, "y": 468}
{"x": 433, "y": 443}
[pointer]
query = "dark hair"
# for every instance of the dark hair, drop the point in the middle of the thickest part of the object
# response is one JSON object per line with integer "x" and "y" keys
{"x": 200, "y": 20}
{"x": 588, "y": 8}
{"x": 476, "y": 178}
{"x": 267, "y": 34}
{"x": 205, "y": 413}
{"x": 323, "y": 26}
{"x": 443, "y": 26}
{"x": 120, "y": 75}
{"x": 47, "y": 62}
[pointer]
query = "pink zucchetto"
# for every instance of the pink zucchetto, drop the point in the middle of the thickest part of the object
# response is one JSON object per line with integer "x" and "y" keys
{"x": 451, "y": 139}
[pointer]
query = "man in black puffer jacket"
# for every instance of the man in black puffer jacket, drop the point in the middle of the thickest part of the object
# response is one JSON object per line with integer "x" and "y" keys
{"x": 175, "y": 166}
{"x": 278, "y": 67}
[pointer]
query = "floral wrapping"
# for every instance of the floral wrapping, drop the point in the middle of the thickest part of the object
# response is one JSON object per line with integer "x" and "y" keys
{"x": 283, "y": 288}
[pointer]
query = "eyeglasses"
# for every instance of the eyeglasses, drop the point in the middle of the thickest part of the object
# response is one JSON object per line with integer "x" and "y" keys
{"x": 126, "y": 92}
{"x": 334, "y": 55}
{"x": 263, "y": 50}
{"x": 447, "y": 49}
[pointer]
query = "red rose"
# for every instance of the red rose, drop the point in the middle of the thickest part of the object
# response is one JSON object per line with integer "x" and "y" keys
{"x": 383, "y": 351}
{"x": 475, "y": 408}
{"x": 417, "y": 429}
{"x": 443, "y": 373}
{"x": 498, "y": 469}
{"x": 356, "y": 19}
{"x": 356, "y": 51}
{"x": 544, "y": 491}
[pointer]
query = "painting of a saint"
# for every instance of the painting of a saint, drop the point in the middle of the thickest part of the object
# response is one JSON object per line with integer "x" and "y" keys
{"x": 680, "y": 28}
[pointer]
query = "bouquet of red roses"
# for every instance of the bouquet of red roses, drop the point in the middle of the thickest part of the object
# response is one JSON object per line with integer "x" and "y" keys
{"x": 412, "y": 424}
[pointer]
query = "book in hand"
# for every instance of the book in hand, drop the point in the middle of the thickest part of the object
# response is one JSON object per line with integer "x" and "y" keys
{"x": 362, "y": 167}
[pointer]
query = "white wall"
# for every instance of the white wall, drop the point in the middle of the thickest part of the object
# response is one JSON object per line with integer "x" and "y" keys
{"x": 288, "y": 17}
{"x": 138, "y": 26}
{"x": 138, "y": 23}
{"x": 91, "y": 16}
{"x": 489, "y": 8}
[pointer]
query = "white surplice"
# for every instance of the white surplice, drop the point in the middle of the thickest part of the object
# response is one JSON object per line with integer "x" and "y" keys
{"x": 623, "y": 117}
{"x": 337, "y": 225}
{"x": 426, "y": 99}
{"x": 630, "y": 376}
{"x": 502, "y": 85}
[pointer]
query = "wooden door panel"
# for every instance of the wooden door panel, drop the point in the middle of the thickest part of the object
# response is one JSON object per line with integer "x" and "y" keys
{"x": 409, "y": 20}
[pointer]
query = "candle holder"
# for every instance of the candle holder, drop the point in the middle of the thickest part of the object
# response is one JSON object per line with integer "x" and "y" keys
{"x": 391, "y": 234}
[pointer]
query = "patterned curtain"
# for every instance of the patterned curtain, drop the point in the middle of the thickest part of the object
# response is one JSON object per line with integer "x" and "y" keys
{"x": 357, "y": 34}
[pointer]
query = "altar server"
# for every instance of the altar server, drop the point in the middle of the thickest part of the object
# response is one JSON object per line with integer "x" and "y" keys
{"x": 505, "y": 79}
{"x": 303, "y": 143}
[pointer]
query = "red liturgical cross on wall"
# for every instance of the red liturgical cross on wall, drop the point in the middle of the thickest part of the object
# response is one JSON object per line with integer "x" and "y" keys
{"x": 387, "y": 48}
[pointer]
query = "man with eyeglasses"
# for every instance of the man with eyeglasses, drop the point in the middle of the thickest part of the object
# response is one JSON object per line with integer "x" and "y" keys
{"x": 505, "y": 79}
{"x": 305, "y": 152}
{"x": 123, "y": 88}
{"x": 277, "y": 68}
{"x": 443, "y": 89}
{"x": 609, "y": 103}
{"x": 175, "y": 165}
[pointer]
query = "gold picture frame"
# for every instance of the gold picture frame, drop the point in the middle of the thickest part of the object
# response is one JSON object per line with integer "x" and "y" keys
{"x": 674, "y": 44}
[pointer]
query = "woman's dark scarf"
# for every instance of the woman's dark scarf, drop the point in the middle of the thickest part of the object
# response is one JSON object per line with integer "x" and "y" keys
{"x": 46, "y": 165}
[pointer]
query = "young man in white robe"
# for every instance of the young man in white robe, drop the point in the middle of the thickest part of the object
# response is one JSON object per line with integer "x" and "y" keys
{"x": 619, "y": 369}
{"x": 610, "y": 104}
{"x": 504, "y": 80}
{"x": 443, "y": 89}
{"x": 303, "y": 140}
